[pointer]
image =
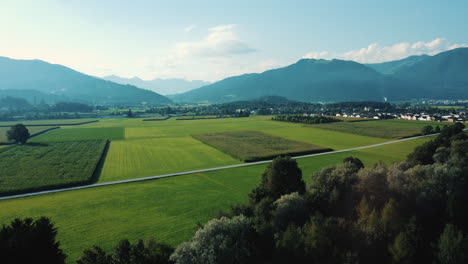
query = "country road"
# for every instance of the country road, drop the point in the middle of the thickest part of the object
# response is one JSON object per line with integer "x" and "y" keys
{"x": 202, "y": 170}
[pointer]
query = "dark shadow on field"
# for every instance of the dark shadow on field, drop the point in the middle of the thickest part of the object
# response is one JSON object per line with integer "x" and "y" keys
{"x": 100, "y": 164}
{"x": 36, "y": 144}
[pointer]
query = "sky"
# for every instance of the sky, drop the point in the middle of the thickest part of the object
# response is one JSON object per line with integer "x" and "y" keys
{"x": 212, "y": 40}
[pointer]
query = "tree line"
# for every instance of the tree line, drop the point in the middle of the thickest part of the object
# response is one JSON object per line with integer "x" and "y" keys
{"x": 305, "y": 119}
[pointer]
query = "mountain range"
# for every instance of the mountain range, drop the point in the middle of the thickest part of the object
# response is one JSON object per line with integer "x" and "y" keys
{"x": 161, "y": 86}
{"x": 51, "y": 82}
{"x": 442, "y": 76}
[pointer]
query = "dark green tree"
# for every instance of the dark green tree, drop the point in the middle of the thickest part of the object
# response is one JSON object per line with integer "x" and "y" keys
{"x": 452, "y": 246}
{"x": 30, "y": 241}
{"x": 404, "y": 247}
{"x": 427, "y": 130}
{"x": 354, "y": 161}
{"x": 282, "y": 176}
{"x": 18, "y": 133}
{"x": 150, "y": 252}
{"x": 221, "y": 240}
{"x": 95, "y": 255}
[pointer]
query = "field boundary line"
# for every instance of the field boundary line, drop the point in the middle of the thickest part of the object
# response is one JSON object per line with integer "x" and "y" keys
{"x": 148, "y": 178}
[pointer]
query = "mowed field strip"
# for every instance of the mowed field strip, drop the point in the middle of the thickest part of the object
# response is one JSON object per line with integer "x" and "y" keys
{"x": 167, "y": 209}
{"x": 127, "y": 159}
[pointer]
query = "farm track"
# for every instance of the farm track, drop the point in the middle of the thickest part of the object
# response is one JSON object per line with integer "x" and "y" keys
{"x": 202, "y": 170}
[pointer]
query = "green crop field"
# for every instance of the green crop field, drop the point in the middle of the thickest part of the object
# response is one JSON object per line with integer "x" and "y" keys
{"x": 75, "y": 133}
{"x": 390, "y": 129}
{"x": 40, "y": 166}
{"x": 167, "y": 209}
{"x": 32, "y": 131}
{"x": 48, "y": 122}
{"x": 128, "y": 159}
{"x": 255, "y": 145}
{"x": 327, "y": 138}
{"x": 141, "y": 148}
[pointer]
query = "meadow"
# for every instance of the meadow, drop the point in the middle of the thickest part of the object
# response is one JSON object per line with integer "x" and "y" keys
{"x": 135, "y": 158}
{"x": 390, "y": 129}
{"x": 168, "y": 209}
{"x": 154, "y": 148}
{"x": 141, "y": 148}
{"x": 254, "y": 145}
{"x": 39, "y": 166}
{"x": 33, "y": 130}
{"x": 78, "y": 133}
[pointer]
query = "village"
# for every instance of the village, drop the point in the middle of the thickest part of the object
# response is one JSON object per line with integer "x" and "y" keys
{"x": 459, "y": 116}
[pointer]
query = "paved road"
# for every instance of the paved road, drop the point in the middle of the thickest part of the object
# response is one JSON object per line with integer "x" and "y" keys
{"x": 203, "y": 170}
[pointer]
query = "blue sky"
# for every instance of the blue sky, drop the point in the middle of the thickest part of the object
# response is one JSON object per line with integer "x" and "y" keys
{"x": 211, "y": 40}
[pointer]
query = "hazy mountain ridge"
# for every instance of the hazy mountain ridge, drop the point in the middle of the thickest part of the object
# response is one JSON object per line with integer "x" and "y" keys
{"x": 390, "y": 67}
{"x": 306, "y": 80}
{"x": 63, "y": 82}
{"x": 443, "y": 76}
{"x": 161, "y": 86}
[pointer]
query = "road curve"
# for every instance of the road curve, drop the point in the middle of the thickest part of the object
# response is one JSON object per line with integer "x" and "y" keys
{"x": 197, "y": 171}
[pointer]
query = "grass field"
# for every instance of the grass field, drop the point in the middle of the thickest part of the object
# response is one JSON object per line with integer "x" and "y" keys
{"x": 255, "y": 145}
{"x": 73, "y": 133}
{"x": 32, "y": 131}
{"x": 139, "y": 148}
{"x": 135, "y": 158}
{"x": 167, "y": 209}
{"x": 390, "y": 129}
{"x": 39, "y": 166}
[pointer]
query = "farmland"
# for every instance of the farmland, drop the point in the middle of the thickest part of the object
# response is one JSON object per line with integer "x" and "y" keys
{"x": 154, "y": 148}
{"x": 390, "y": 129}
{"x": 254, "y": 145}
{"x": 168, "y": 209}
{"x": 134, "y": 158}
{"x": 140, "y": 148}
{"x": 72, "y": 134}
{"x": 44, "y": 166}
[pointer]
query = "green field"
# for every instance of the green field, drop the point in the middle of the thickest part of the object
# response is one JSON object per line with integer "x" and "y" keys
{"x": 41, "y": 166}
{"x": 391, "y": 129}
{"x": 32, "y": 131}
{"x": 152, "y": 148}
{"x": 75, "y": 133}
{"x": 167, "y": 209}
{"x": 255, "y": 145}
{"x": 136, "y": 158}
{"x": 449, "y": 107}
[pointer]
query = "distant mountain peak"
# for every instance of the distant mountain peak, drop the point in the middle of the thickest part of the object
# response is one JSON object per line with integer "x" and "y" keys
{"x": 162, "y": 86}
{"x": 443, "y": 76}
{"x": 67, "y": 84}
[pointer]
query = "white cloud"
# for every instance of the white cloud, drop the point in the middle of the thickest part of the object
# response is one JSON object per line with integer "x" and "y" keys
{"x": 220, "y": 54}
{"x": 190, "y": 28}
{"x": 375, "y": 53}
{"x": 221, "y": 41}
